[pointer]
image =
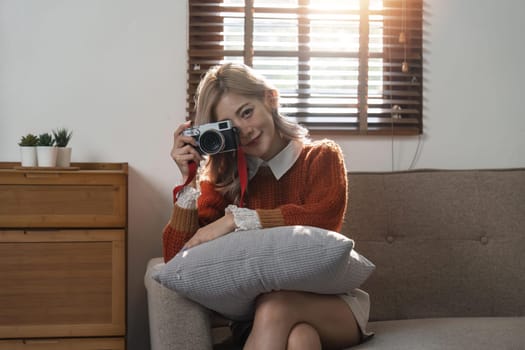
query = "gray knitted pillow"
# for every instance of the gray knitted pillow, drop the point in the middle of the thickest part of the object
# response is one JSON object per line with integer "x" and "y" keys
{"x": 228, "y": 273}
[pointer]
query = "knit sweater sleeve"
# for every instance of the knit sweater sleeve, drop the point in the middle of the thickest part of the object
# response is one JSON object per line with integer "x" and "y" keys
{"x": 181, "y": 227}
{"x": 321, "y": 179}
{"x": 185, "y": 222}
{"x": 211, "y": 204}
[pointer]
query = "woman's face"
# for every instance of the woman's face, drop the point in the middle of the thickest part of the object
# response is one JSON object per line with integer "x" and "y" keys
{"x": 253, "y": 119}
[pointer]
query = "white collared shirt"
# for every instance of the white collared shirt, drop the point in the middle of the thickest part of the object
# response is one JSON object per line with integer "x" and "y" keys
{"x": 280, "y": 164}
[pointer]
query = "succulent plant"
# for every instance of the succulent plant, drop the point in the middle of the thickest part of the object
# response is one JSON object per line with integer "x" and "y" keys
{"x": 62, "y": 136}
{"x": 28, "y": 140}
{"x": 45, "y": 139}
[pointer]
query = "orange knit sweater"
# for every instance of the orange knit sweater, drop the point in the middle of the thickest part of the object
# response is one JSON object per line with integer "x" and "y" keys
{"x": 313, "y": 192}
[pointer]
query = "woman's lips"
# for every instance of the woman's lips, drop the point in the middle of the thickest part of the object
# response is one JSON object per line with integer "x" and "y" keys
{"x": 253, "y": 141}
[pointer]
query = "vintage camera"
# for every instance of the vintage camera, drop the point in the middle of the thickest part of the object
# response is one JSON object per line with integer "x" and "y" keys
{"x": 213, "y": 138}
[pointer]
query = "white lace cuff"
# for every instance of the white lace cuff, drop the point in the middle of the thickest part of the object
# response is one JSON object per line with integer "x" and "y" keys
{"x": 245, "y": 219}
{"x": 187, "y": 198}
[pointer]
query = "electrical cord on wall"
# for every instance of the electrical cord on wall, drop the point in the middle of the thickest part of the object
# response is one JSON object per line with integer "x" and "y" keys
{"x": 392, "y": 141}
{"x": 414, "y": 157}
{"x": 416, "y": 153}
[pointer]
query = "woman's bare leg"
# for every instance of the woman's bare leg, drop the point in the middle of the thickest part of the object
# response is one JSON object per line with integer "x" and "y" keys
{"x": 278, "y": 313}
{"x": 302, "y": 337}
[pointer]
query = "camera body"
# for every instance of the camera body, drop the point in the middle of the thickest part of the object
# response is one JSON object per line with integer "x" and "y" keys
{"x": 213, "y": 138}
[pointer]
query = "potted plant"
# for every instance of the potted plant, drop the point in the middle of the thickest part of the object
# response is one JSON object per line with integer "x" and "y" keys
{"x": 62, "y": 137}
{"x": 46, "y": 153}
{"x": 28, "y": 150}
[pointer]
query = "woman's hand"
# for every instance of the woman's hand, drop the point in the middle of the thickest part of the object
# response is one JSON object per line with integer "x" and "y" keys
{"x": 183, "y": 150}
{"x": 218, "y": 228}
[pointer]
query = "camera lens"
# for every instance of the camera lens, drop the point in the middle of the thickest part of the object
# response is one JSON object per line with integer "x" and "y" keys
{"x": 211, "y": 142}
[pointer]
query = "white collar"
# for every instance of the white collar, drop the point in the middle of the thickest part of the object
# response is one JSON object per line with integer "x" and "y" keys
{"x": 279, "y": 164}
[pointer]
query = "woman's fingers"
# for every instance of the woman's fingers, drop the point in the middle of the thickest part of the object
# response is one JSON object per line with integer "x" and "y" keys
{"x": 180, "y": 140}
{"x": 218, "y": 228}
{"x": 183, "y": 150}
{"x": 185, "y": 153}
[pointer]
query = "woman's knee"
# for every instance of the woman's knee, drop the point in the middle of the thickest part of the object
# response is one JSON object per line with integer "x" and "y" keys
{"x": 274, "y": 306}
{"x": 303, "y": 336}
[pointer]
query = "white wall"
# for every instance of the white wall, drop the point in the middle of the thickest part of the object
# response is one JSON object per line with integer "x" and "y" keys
{"x": 114, "y": 73}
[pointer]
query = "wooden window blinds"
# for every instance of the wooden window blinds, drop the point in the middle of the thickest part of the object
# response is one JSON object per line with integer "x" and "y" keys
{"x": 353, "y": 65}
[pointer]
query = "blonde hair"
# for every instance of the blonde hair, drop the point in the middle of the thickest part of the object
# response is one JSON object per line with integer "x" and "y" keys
{"x": 221, "y": 169}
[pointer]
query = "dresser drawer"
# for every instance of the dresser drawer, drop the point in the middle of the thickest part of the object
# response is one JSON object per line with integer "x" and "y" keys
{"x": 63, "y": 199}
{"x": 62, "y": 283}
{"x": 64, "y": 344}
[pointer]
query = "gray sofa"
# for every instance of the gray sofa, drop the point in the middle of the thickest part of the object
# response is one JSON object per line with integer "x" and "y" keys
{"x": 449, "y": 249}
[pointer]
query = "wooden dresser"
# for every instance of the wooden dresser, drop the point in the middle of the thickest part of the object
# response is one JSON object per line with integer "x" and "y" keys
{"x": 63, "y": 257}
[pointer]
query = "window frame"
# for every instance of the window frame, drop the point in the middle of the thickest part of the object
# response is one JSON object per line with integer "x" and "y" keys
{"x": 398, "y": 111}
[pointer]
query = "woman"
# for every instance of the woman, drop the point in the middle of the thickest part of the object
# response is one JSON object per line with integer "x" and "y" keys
{"x": 292, "y": 181}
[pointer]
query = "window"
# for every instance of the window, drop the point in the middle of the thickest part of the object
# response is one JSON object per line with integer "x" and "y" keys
{"x": 353, "y": 65}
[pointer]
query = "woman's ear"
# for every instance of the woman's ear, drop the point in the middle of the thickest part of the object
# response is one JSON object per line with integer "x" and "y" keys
{"x": 271, "y": 98}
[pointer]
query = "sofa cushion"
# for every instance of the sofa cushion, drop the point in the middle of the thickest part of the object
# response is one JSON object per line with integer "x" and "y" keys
{"x": 228, "y": 273}
{"x": 445, "y": 243}
{"x": 466, "y": 333}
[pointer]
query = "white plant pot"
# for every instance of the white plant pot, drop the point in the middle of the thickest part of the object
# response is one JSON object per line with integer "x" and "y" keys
{"x": 28, "y": 156}
{"x": 64, "y": 157}
{"x": 47, "y": 156}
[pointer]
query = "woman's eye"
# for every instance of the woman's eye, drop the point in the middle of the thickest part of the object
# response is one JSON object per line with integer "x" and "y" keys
{"x": 247, "y": 113}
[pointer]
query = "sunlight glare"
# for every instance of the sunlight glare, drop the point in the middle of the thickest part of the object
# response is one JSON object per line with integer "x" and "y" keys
{"x": 334, "y": 4}
{"x": 333, "y": 40}
{"x": 344, "y": 5}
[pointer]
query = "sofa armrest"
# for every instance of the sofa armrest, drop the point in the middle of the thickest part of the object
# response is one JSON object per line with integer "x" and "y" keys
{"x": 175, "y": 322}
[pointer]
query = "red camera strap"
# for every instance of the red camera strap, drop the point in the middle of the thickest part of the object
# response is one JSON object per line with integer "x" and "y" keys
{"x": 193, "y": 172}
{"x": 243, "y": 176}
{"x": 242, "y": 168}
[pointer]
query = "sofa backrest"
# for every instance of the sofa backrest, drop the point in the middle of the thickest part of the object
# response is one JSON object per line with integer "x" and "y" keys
{"x": 445, "y": 242}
